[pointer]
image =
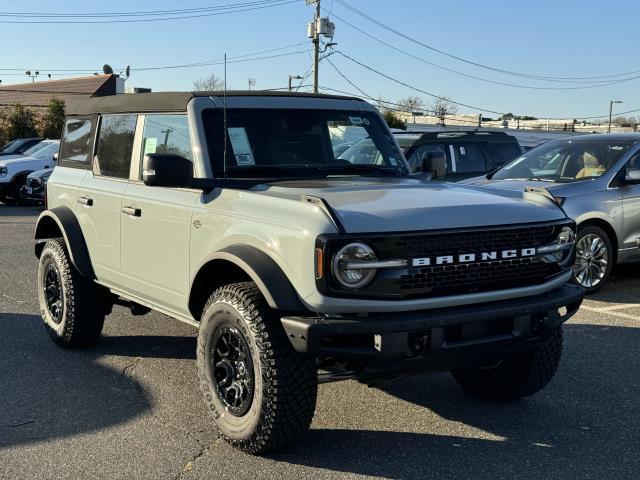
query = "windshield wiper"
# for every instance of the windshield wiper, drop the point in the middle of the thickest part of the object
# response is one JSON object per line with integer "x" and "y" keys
{"x": 345, "y": 168}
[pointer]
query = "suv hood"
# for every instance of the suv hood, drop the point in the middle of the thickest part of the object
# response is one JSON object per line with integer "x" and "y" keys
{"x": 392, "y": 205}
{"x": 555, "y": 188}
{"x": 36, "y": 162}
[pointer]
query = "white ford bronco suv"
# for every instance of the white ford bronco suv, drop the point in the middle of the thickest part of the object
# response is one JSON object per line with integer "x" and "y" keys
{"x": 230, "y": 212}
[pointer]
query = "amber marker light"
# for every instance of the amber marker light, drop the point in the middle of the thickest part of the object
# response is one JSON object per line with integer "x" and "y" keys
{"x": 319, "y": 263}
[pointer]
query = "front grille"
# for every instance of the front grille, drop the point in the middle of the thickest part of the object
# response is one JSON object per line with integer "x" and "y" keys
{"x": 460, "y": 278}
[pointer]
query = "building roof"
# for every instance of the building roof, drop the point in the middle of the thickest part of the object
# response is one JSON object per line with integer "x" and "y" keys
{"x": 38, "y": 94}
{"x": 169, "y": 101}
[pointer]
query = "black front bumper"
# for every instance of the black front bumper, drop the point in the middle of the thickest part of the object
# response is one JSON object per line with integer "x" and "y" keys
{"x": 396, "y": 344}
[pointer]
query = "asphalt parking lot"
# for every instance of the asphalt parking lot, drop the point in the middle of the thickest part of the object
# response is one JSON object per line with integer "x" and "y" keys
{"x": 130, "y": 408}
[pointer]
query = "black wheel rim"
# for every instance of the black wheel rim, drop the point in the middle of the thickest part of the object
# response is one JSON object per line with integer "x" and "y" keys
{"x": 231, "y": 369}
{"x": 53, "y": 292}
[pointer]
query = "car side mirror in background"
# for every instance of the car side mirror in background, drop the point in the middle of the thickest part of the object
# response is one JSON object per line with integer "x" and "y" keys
{"x": 167, "y": 170}
{"x": 632, "y": 177}
{"x": 434, "y": 163}
{"x": 55, "y": 157}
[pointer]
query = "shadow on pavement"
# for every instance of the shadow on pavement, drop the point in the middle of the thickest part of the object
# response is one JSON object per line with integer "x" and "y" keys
{"x": 19, "y": 211}
{"x": 585, "y": 424}
{"x": 147, "y": 346}
{"x": 47, "y": 392}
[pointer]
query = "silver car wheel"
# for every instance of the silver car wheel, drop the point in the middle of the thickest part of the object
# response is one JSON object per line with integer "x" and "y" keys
{"x": 592, "y": 260}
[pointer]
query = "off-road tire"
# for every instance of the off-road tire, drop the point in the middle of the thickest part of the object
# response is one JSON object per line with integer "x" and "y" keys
{"x": 515, "y": 377}
{"x": 285, "y": 382}
{"x": 83, "y": 312}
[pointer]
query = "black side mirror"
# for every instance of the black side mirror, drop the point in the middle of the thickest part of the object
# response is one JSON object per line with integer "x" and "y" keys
{"x": 632, "y": 177}
{"x": 167, "y": 170}
{"x": 435, "y": 163}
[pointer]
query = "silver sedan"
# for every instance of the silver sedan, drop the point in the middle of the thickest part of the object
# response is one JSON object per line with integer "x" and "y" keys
{"x": 596, "y": 180}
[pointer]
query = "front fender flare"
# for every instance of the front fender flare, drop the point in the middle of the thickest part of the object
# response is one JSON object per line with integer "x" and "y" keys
{"x": 265, "y": 273}
{"x": 68, "y": 225}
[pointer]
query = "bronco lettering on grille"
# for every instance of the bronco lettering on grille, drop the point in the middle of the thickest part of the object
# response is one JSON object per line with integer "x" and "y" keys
{"x": 473, "y": 257}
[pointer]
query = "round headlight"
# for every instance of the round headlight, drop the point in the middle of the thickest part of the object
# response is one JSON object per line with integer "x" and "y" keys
{"x": 353, "y": 253}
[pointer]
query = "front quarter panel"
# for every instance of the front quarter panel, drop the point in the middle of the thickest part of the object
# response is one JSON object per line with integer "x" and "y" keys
{"x": 284, "y": 229}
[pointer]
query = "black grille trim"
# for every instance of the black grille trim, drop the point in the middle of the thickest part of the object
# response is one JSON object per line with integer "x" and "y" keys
{"x": 449, "y": 279}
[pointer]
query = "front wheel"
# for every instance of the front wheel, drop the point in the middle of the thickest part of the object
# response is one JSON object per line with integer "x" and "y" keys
{"x": 517, "y": 376}
{"x": 260, "y": 392}
{"x": 594, "y": 259}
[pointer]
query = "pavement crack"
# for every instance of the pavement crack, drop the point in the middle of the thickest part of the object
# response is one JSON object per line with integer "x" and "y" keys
{"x": 127, "y": 370}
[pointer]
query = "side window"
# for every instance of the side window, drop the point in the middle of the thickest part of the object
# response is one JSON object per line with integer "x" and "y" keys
{"x": 469, "y": 159}
{"x": 166, "y": 134}
{"x": 115, "y": 144}
{"x": 75, "y": 149}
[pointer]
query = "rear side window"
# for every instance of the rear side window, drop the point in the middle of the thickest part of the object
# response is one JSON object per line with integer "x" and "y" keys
{"x": 501, "y": 153}
{"x": 469, "y": 159}
{"x": 75, "y": 149}
{"x": 115, "y": 144}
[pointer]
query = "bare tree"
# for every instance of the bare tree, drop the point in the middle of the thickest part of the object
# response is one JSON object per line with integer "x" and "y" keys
{"x": 210, "y": 83}
{"x": 443, "y": 107}
{"x": 411, "y": 104}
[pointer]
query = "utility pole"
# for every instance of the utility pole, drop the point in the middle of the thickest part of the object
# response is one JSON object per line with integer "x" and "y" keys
{"x": 479, "y": 120}
{"x": 319, "y": 26}
{"x": 316, "y": 44}
{"x": 611, "y": 102}
{"x": 166, "y": 132}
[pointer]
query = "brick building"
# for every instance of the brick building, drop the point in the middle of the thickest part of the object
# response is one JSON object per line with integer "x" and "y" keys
{"x": 37, "y": 95}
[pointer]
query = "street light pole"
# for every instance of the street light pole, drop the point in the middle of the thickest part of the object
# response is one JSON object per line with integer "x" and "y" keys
{"x": 611, "y": 102}
{"x": 293, "y": 77}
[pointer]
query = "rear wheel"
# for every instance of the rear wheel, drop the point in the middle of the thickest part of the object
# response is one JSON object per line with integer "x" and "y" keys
{"x": 594, "y": 258}
{"x": 71, "y": 306}
{"x": 517, "y": 376}
{"x": 260, "y": 392}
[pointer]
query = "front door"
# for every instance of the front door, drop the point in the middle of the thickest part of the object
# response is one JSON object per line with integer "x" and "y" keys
{"x": 631, "y": 212}
{"x": 156, "y": 222}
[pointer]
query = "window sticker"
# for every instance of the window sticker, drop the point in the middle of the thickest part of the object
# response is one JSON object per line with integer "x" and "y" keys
{"x": 355, "y": 120}
{"x": 241, "y": 146}
{"x": 463, "y": 151}
{"x": 150, "y": 145}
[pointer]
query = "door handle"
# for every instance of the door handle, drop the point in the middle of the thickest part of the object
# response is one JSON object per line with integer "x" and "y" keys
{"x": 86, "y": 201}
{"x": 133, "y": 212}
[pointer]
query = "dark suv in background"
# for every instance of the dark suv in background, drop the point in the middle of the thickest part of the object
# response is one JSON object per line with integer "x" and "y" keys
{"x": 469, "y": 153}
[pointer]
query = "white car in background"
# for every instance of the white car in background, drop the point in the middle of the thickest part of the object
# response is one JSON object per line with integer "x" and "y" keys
{"x": 14, "y": 169}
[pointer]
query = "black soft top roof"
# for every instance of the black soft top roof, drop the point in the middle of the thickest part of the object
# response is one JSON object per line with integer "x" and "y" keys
{"x": 168, "y": 101}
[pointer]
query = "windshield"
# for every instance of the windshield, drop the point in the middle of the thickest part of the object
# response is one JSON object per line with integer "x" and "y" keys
{"x": 564, "y": 161}
{"x": 46, "y": 150}
{"x": 11, "y": 146}
{"x": 296, "y": 142}
{"x": 29, "y": 152}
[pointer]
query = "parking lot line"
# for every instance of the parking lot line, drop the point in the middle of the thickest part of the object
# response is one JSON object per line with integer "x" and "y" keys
{"x": 616, "y": 307}
{"x": 613, "y": 313}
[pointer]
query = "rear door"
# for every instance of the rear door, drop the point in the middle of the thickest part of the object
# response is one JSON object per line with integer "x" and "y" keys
{"x": 100, "y": 195}
{"x": 156, "y": 221}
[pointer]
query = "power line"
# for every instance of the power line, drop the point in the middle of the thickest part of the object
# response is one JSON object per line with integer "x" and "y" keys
{"x": 487, "y": 67}
{"x": 479, "y": 109}
{"x": 230, "y": 9}
{"x": 599, "y": 83}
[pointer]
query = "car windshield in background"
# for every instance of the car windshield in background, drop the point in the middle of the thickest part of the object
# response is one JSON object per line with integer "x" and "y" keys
{"x": 31, "y": 151}
{"x": 47, "y": 150}
{"x": 566, "y": 161}
{"x": 296, "y": 142}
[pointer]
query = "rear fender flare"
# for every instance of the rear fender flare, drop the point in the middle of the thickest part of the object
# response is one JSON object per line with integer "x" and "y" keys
{"x": 64, "y": 221}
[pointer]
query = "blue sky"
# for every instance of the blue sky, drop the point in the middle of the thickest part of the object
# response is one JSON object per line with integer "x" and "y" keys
{"x": 567, "y": 38}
